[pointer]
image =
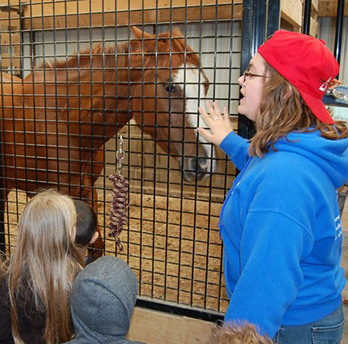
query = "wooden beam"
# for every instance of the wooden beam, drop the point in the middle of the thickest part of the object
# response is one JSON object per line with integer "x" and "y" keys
{"x": 60, "y": 14}
{"x": 291, "y": 11}
{"x": 315, "y": 5}
{"x": 9, "y": 21}
{"x": 328, "y": 8}
{"x": 9, "y": 3}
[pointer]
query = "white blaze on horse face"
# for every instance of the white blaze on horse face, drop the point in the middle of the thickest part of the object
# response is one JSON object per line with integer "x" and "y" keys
{"x": 191, "y": 81}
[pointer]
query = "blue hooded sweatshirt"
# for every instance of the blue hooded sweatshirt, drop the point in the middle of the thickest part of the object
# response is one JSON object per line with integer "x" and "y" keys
{"x": 282, "y": 233}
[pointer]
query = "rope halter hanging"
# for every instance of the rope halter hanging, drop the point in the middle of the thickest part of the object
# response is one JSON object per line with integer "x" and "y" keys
{"x": 119, "y": 203}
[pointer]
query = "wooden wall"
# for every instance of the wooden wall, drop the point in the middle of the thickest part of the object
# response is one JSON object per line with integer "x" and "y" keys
{"x": 97, "y": 13}
{"x": 328, "y": 8}
{"x": 292, "y": 15}
{"x": 10, "y": 40}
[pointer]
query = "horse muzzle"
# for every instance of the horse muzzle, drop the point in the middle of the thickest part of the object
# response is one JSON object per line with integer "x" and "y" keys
{"x": 196, "y": 168}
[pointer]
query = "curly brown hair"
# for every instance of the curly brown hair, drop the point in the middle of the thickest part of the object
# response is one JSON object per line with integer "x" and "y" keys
{"x": 235, "y": 333}
{"x": 283, "y": 110}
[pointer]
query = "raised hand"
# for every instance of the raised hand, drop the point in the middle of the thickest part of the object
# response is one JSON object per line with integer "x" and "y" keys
{"x": 219, "y": 124}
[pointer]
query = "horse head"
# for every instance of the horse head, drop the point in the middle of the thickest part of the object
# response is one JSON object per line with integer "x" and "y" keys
{"x": 169, "y": 88}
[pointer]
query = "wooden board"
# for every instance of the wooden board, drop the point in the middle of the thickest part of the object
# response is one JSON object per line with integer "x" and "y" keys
{"x": 87, "y": 14}
{"x": 6, "y": 3}
{"x": 9, "y": 20}
{"x": 10, "y": 52}
{"x": 328, "y": 8}
{"x": 291, "y": 11}
{"x": 7, "y": 63}
{"x": 154, "y": 327}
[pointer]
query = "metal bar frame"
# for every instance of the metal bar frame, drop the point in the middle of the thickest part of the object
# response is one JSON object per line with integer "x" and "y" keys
{"x": 253, "y": 35}
{"x": 307, "y": 17}
{"x": 339, "y": 28}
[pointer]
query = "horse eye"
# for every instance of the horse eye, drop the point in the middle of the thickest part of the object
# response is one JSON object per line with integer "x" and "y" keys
{"x": 170, "y": 88}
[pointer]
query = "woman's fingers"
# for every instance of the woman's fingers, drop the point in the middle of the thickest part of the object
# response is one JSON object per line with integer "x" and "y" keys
{"x": 205, "y": 134}
{"x": 226, "y": 114}
{"x": 220, "y": 125}
{"x": 214, "y": 110}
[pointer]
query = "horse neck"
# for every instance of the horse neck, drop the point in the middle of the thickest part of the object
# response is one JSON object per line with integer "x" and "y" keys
{"x": 119, "y": 71}
{"x": 116, "y": 82}
{"x": 119, "y": 61}
{"x": 122, "y": 73}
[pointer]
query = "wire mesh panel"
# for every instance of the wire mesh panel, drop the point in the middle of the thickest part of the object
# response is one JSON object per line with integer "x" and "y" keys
{"x": 93, "y": 71}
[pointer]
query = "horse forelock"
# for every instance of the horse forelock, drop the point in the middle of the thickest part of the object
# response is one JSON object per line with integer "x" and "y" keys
{"x": 179, "y": 45}
{"x": 169, "y": 46}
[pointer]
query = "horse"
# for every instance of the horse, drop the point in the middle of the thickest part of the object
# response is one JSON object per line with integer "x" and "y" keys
{"x": 7, "y": 81}
{"x": 9, "y": 78}
{"x": 56, "y": 121}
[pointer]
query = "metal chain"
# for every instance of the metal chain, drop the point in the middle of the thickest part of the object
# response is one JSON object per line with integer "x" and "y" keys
{"x": 120, "y": 155}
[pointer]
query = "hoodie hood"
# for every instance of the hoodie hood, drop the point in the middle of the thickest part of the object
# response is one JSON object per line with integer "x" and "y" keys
{"x": 330, "y": 155}
{"x": 102, "y": 302}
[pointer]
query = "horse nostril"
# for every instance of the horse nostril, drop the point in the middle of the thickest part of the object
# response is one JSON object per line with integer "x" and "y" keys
{"x": 197, "y": 165}
{"x": 193, "y": 165}
{"x": 202, "y": 162}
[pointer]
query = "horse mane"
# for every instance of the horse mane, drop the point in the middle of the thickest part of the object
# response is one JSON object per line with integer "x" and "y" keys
{"x": 105, "y": 56}
{"x": 100, "y": 57}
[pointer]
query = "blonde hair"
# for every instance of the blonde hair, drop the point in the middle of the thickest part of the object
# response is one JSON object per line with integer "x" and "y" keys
{"x": 44, "y": 263}
{"x": 237, "y": 333}
{"x": 283, "y": 110}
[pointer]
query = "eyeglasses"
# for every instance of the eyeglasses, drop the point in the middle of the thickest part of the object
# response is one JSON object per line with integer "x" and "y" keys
{"x": 247, "y": 74}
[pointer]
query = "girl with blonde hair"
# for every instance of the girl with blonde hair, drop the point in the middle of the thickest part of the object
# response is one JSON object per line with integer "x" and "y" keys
{"x": 280, "y": 222}
{"x": 37, "y": 279}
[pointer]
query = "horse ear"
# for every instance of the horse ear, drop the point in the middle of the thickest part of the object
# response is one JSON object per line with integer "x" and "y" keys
{"x": 177, "y": 33}
{"x": 150, "y": 43}
{"x": 179, "y": 36}
{"x": 139, "y": 33}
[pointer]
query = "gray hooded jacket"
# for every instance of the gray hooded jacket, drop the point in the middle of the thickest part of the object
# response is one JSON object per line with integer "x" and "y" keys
{"x": 102, "y": 302}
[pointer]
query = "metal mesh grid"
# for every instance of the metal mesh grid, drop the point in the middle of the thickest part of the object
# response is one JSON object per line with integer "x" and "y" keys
{"x": 171, "y": 241}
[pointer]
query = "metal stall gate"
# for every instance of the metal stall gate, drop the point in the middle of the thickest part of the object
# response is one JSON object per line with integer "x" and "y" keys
{"x": 85, "y": 77}
{"x": 81, "y": 78}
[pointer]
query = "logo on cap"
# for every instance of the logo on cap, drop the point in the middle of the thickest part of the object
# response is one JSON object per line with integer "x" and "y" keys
{"x": 325, "y": 85}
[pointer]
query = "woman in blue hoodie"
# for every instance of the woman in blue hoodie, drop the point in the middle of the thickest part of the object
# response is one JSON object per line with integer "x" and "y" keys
{"x": 280, "y": 222}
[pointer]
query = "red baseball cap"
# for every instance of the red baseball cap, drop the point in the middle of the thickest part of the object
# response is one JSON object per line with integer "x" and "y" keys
{"x": 306, "y": 63}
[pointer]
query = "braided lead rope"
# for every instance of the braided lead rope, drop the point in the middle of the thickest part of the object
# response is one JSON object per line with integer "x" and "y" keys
{"x": 119, "y": 203}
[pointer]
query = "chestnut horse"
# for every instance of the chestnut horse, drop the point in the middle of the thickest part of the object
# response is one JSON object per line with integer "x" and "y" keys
{"x": 57, "y": 120}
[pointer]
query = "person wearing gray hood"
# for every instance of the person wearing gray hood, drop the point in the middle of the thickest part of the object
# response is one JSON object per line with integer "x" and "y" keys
{"x": 102, "y": 301}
